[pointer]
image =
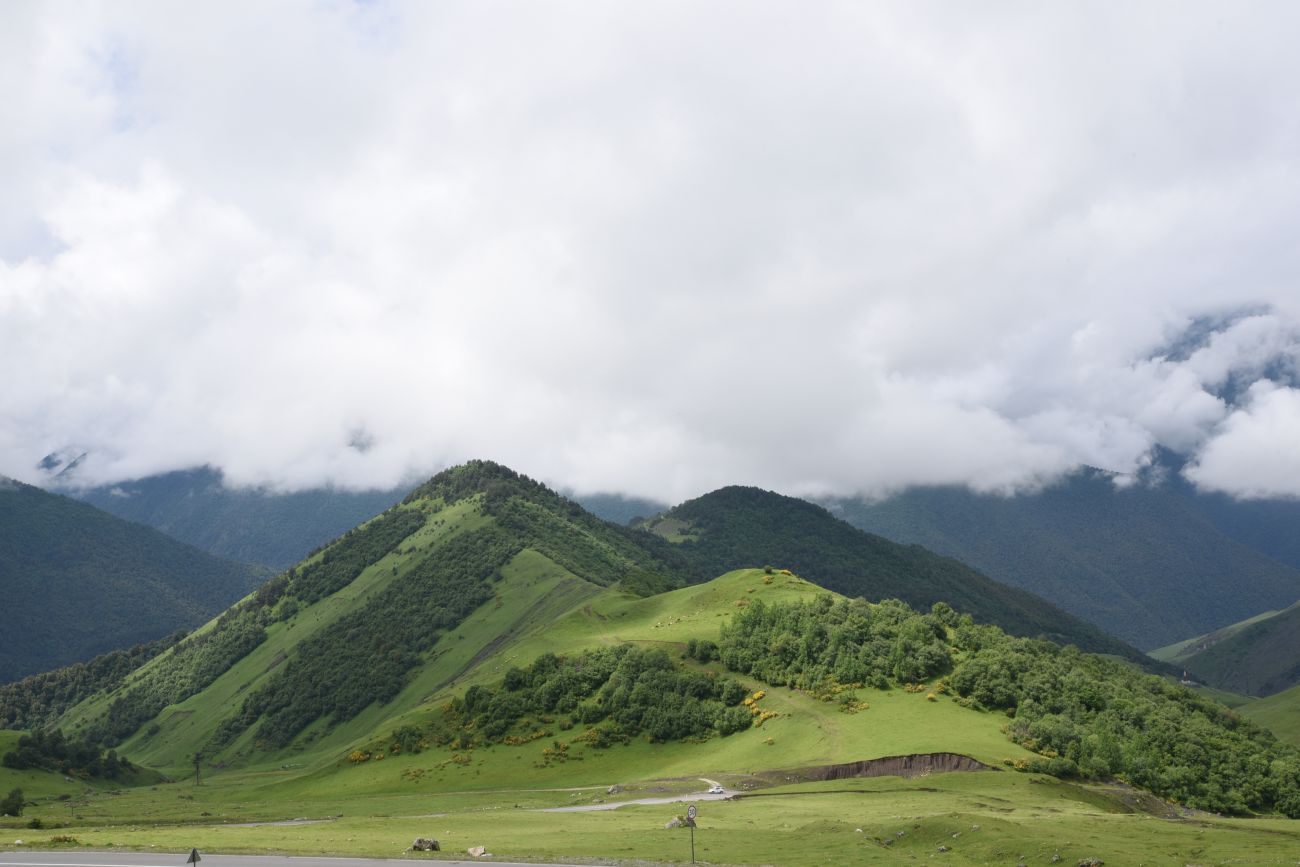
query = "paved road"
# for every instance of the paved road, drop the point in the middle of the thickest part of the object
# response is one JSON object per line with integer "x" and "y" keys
{"x": 614, "y": 805}
{"x": 155, "y": 859}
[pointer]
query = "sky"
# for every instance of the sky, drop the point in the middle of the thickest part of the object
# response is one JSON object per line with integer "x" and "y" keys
{"x": 652, "y": 248}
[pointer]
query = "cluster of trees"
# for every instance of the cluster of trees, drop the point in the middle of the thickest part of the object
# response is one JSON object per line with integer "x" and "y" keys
{"x": 1085, "y": 715}
{"x": 52, "y": 751}
{"x": 366, "y": 656}
{"x": 626, "y": 691}
{"x": 185, "y": 670}
{"x": 12, "y": 804}
{"x": 589, "y": 548}
{"x": 341, "y": 563}
{"x": 596, "y": 550}
{"x": 1093, "y": 717}
{"x": 823, "y": 644}
{"x": 193, "y": 664}
{"x": 37, "y": 701}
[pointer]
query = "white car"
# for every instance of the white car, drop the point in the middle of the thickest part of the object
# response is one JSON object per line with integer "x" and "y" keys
{"x": 717, "y": 790}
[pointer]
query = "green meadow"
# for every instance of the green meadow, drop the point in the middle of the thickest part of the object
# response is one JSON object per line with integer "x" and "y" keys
{"x": 341, "y": 788}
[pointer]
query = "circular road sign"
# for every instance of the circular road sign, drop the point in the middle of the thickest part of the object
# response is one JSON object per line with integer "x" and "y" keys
{"x": 691, "y": 812}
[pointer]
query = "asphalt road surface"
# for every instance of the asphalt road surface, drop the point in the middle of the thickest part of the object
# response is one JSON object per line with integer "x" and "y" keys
{"x": 158, "y": 859}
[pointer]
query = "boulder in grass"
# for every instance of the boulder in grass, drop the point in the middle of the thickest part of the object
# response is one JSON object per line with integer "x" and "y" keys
{"x": 425, "y": 845}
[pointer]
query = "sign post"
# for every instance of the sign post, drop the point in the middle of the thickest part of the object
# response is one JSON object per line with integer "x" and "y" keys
{"x": 194, "y": 857}
{"x": 691, "y": 813}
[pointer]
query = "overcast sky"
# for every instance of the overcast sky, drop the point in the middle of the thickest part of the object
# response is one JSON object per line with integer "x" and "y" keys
{"x": 652, "y": 247}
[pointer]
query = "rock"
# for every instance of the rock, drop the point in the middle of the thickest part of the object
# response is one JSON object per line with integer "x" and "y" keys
{"x": 1091, "y": 862}
{"x": 476, "y": 851}
{"x": 422, "y": 844}
{"x": 614, "y": 789}
{"x": 943, "y": 848}
{"x": 675, "y": 823}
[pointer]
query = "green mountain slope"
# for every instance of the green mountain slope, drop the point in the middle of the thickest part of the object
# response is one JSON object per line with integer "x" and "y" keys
{"x": 1259, "y": 656}
{"x": 1279, "y": 713}
{"x": 78, "y": 582}
{"x": 245, "y": 524}
{"x": 736, "y": 527}
{"x": 486, "y": 649}
{"x": 1148, "y": 564}
{"x": 351, "y": 627}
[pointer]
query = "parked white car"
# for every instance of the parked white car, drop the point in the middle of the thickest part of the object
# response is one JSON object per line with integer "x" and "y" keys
{"x": 717, "y": 790}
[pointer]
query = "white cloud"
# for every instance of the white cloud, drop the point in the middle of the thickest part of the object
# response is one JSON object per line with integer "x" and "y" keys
{"x": 1255, "y": 452}
{"x": 651, "y": 248}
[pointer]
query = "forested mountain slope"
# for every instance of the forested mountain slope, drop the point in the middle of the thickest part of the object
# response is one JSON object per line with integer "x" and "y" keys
{"x": 78, "y": 582}
{"x": 351, "y": 626}
{"x": 1149, "y": 564}
{"x": 736, "y": 527}
{"x": 245, "y": 524}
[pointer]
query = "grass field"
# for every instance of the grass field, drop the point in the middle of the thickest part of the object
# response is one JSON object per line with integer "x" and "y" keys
{"x": 979, "y": 818}
{"x": 494, "y": 796}
{"x": 1279, "y": 714}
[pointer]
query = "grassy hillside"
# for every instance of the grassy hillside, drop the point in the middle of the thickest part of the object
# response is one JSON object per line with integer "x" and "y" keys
{"x": 1260, "y": 656}
{"x": 377, "y": 806}
{"x": 473, "y": 600}
{"x": 1151, "y": 565}
{"x": 735, "y": 527}
{"x": 1279, "y": 713}
{"x": 319, "y": 649}
{"x": 1179, "y": 651}
{"x": 78, "y": 582}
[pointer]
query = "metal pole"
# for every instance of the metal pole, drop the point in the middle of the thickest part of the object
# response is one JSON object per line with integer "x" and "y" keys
{"x": 692, "y": 842}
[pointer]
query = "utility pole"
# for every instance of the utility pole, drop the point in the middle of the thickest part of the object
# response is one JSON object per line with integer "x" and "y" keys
{"x": 198, "y": 768}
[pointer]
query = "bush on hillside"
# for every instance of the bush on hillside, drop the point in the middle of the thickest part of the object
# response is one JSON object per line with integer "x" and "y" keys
{"x": 12, "y": 803}
{"x": 1086, "y": 715}
{"x": 627, "y": 691}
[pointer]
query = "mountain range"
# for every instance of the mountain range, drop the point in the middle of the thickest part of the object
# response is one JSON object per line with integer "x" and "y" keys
{"x": 1152, "y": 562}
{"x": 488, "y": 645}
{"x": 1149, "y": 563}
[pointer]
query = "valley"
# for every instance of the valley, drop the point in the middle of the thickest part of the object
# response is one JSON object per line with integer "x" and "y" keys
{"x": 447, "y": 750}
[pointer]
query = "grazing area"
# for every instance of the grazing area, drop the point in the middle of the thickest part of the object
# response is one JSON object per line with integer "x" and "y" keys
{"x": 486, "y": 648}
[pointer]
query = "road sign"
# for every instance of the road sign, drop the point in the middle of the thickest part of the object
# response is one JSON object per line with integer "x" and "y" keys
{"x": 194, "y": 857}
{"x": 691, "y": 813}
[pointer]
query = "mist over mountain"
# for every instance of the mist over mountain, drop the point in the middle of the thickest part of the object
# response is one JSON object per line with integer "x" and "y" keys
{"x": 1149, "y": 562}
